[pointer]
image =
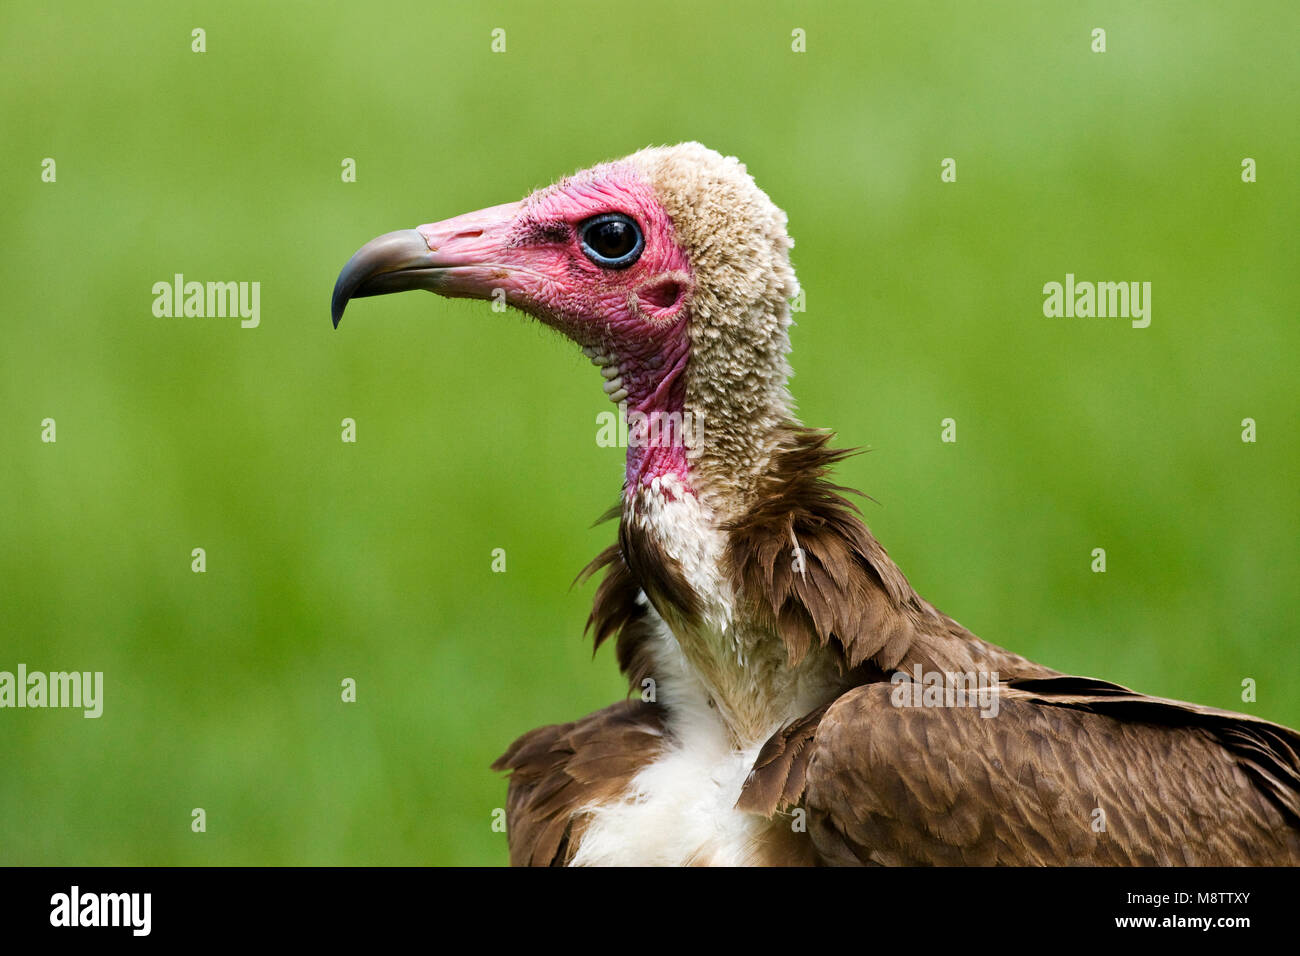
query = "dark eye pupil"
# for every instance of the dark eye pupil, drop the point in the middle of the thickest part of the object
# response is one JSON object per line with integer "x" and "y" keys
{"x": 612, "y": 240}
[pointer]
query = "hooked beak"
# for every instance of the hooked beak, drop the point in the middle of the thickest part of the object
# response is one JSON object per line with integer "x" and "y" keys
{"x": 464, "y": 257}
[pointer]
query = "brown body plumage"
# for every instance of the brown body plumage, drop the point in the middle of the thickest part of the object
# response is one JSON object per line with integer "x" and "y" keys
{"x": 1176, "y": 783}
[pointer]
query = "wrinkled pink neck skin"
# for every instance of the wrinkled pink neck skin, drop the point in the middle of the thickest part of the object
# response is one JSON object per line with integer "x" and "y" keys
{"x": 657, "y": 427}
{"x": 640, "y": 315}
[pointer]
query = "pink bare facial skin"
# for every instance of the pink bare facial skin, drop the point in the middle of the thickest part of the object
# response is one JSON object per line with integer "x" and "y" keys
{"x": 638, "y": 315}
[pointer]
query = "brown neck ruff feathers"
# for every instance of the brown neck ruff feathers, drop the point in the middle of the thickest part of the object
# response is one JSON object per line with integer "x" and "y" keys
{"x": 849, "y": 596}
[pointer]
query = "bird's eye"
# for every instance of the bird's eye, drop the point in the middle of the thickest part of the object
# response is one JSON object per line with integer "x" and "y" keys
{"x": 612, "y": 240}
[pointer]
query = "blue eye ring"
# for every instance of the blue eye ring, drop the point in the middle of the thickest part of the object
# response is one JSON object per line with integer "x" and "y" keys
{"x": 610, "y": 248}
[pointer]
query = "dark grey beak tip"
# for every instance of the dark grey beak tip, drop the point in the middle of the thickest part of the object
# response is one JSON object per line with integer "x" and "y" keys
{"x": 372, "y": 269}
{"x": 339, "y": 301}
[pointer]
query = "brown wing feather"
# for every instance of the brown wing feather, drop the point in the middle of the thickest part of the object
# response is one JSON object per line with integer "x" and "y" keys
{"x": 558, "y": 770}
{"x": 777, "y": 780}
{"x": 1178, "y": 784}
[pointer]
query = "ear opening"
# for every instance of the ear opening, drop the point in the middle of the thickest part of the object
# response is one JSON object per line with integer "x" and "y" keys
{"x": 661, "y": 297}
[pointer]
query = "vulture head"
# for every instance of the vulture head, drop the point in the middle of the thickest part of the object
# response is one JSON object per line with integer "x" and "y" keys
{"x": 670, "y": 268}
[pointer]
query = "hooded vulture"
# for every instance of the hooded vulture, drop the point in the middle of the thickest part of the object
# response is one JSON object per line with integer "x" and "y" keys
{"x": 794, "y": 700}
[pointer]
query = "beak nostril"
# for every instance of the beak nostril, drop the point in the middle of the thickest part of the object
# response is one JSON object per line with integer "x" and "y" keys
{"x": 436, "y": 242}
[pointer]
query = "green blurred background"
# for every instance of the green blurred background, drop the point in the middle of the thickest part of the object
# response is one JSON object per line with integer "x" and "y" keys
{"x": 477, "y": 431}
